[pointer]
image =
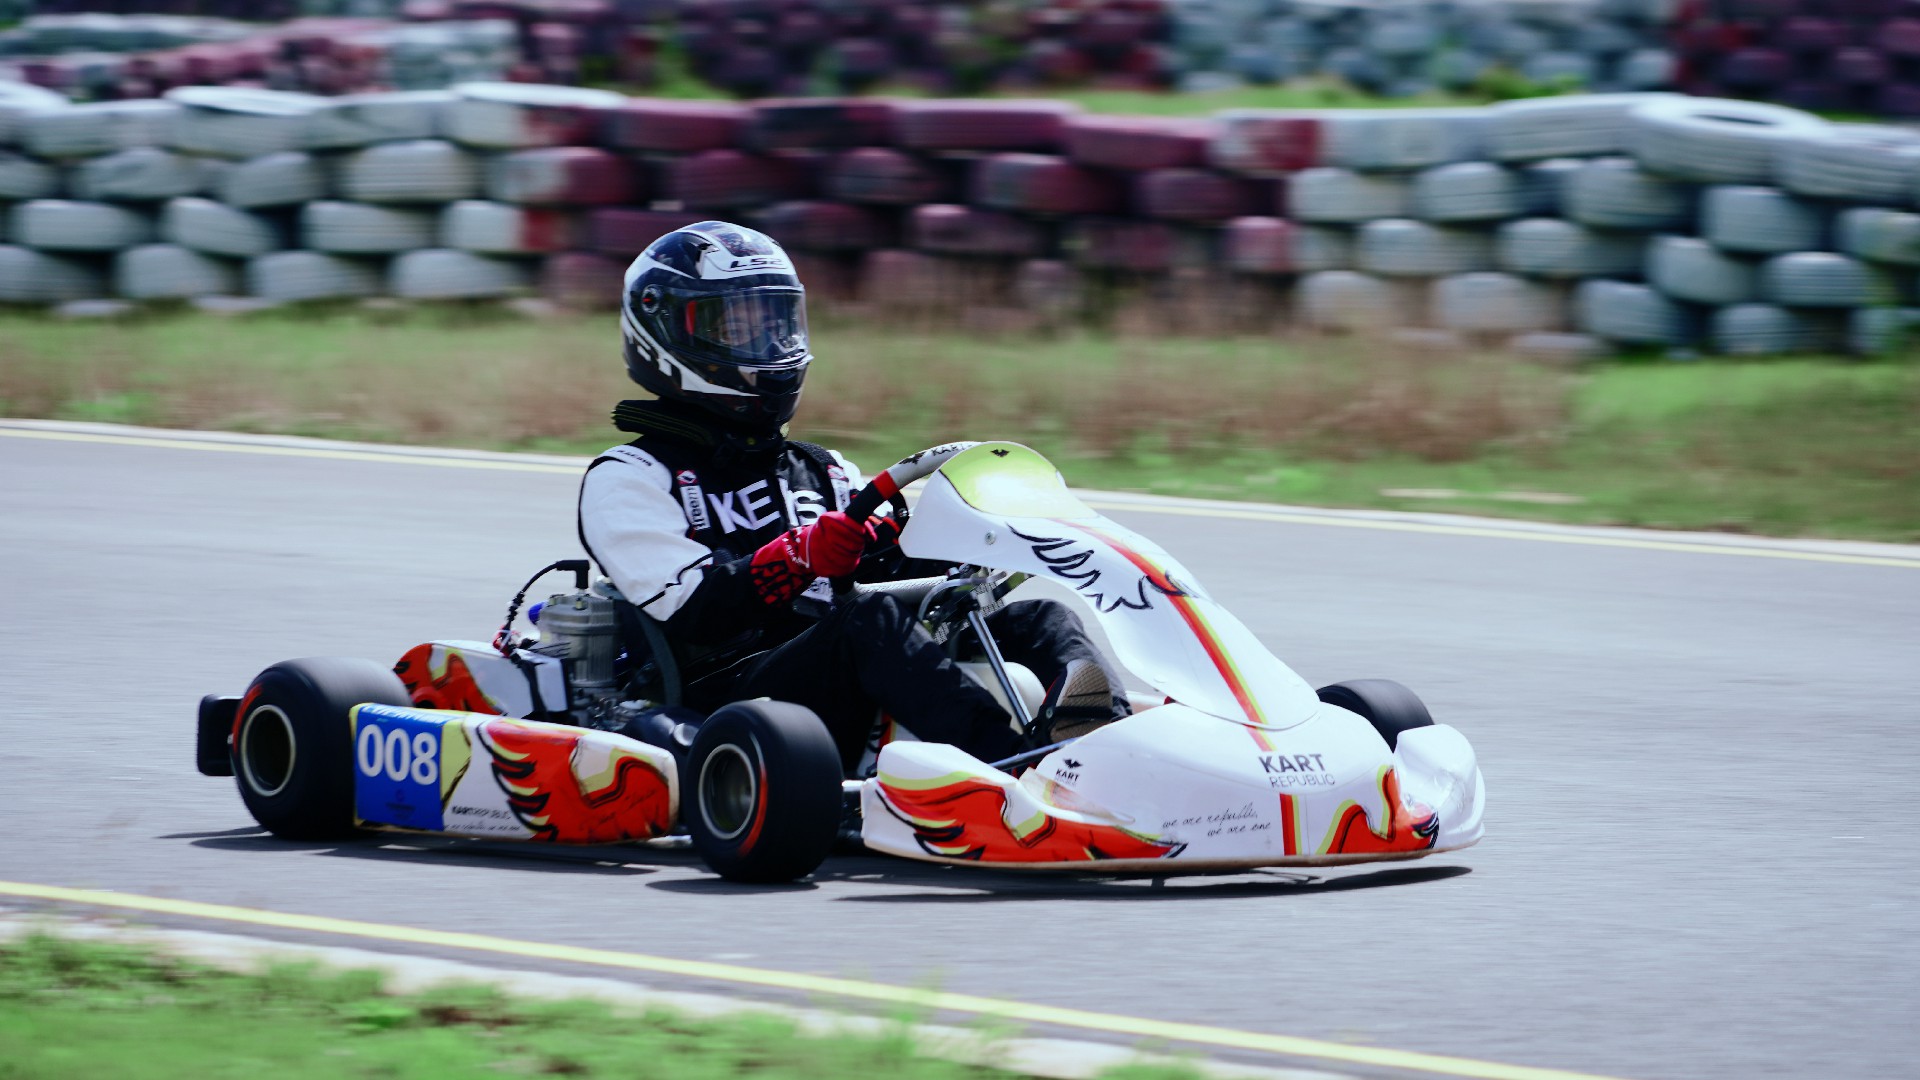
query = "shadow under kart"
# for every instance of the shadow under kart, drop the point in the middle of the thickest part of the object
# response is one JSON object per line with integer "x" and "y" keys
{"x": 579, "y": 738}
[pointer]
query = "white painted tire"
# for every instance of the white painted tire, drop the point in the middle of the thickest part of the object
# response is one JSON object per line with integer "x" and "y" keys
{"x": 1615, "y": 193}
{"x": 1759, "y": 220}
{"x": 1764, "y": 330}
{"x": 1630, "y": 314}
{"x": 1342, "y": 196}
{"x": 417, "y": 171}
{"x": 1543, "y": 185}
{"x": 22, "y": 177}
{"x": 1687, "y": 268}
{"x": 238, "y": 122}
{"x": 1552, "y": 248}
{"x": 1347, "y": 300}
{"x": 171, "y": 272}
{"x": 1469, "y": 191}
{"x": 99, "y": 128}
{"x": 18, "y": 102}
{"x": 1579, "y": 125}
{"x": 1490, "y": 303}
{"x": 283, "y": 179}
{"x": 1400, "y": 247}
{"x": 218, "y": 229}
{"x": 143, "y": 174}
{"x": 294, "y": 276}
{"x": 503, "y": 229}
{"x": 356, "y": 120}
{"x": 1715, "y": 141}
{"x": 452, "y": 275}
{"x": 1384, "y": 139}
{"x": 1825, "y": 280}
{"x": 509, "y": 116}
{"x": 349, "y": 228}
{"x": 1864, "y": 163}
{"x": 1880, "y": 330}
{"x": 36, "y": 277}
{"x": 1319, "y": 247}
{"x": 66, "y": 225}
{"x": 1883, "y": 236}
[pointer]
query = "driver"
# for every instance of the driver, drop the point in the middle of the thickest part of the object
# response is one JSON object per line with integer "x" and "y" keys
{"x": 727, "y": 532}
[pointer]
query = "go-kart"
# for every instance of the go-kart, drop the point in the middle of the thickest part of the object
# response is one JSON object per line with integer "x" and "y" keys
{"x": 579, "y": 736}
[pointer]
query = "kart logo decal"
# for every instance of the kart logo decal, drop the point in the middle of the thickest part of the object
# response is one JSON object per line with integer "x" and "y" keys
{"x": 628, "y": 800}
{"x": 1067, "y": 558}
{"x": 1295, "y": 771}
{"x": 967, "y": 819}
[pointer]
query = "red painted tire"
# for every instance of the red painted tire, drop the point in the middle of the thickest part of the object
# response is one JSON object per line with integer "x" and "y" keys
{"x": 761, "y": 792}
{"x": 1267, "y": 142}
{"x": 982, "y": 125}
{"x": 680, "y": 127}
{"x": 812, "y": 225}
{"x": 1194, "y": 195}
{"x": 966, "y": 230}
{"x": 624, "y": 233}
{"x": 564, "y": 175}
{"x": 582, "y": 280}
{"x": 818, "y": 124}
{"x": 1259, "y": 245}
{"x": 729, "y": 179}
{"x": 1043, "y": 184}
{"x": 1119, "y": 142}
{"x": 1122, "y": 244}
{"x": 887, "y": 177}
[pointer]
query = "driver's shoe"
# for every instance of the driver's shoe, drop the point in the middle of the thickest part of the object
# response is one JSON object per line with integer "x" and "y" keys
{"x": 1080, "y": 700}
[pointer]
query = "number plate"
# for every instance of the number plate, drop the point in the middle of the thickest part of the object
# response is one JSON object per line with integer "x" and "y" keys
{"x": 396, "y": 767}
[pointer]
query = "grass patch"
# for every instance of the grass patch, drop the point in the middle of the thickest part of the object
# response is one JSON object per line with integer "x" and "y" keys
{"x": 1808, "y": 447}
{"x": 88, "y": 1009}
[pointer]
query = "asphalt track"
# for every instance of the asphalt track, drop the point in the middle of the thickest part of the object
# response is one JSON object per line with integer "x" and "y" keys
{"x": 1703, "y": 843}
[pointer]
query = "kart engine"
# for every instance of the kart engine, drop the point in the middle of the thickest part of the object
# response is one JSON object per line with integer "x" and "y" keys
{"x": 582, "y": 627}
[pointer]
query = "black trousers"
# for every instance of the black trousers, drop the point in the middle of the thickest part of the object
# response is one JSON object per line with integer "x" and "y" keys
{"x": 871, "y": 653}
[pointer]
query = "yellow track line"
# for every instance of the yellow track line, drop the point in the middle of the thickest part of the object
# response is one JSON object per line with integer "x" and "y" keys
{"x": 1278, "y": 517}
{"x": 1139, "y": 1027}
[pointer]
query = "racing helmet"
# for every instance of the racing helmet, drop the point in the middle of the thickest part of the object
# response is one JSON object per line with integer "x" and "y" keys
{"x": 714, "y": 316}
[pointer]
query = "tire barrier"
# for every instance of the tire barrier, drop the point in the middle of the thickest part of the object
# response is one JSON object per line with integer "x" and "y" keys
{"x": 999, "y": 213}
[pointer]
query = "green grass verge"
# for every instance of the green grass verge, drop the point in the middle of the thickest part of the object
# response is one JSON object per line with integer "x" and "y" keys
{"x": 73, "y": 1009}
{"x": 1801, "y": 447}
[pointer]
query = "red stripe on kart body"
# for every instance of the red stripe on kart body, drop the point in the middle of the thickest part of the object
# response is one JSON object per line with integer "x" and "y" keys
{"x": 1198, "y": 624}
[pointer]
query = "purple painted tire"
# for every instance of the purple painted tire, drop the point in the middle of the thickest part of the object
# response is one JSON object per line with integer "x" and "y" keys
{"x": 1199, "y": 195}
{"x": 814, "y": 225}
{"x": 582, "y": 280}
{"x": 818, "y": 124}
{"x": 729, "y": 179}
{"x": 624, "y": 233}
{"x": 983, "y": 125}
{"x": 1043, "y": 184}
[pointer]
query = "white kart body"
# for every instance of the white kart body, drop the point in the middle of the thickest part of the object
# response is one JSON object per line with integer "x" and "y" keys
{"x": 1244, "y": 766}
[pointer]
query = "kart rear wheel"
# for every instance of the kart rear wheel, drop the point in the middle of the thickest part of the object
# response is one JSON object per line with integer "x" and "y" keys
{"x": 1388, "y": 706}
{"x": 761, "y": 792}
{"x": 293, "y": 747}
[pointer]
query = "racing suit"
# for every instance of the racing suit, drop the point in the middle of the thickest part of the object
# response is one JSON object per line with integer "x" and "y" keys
{"x": 674, "y": 519}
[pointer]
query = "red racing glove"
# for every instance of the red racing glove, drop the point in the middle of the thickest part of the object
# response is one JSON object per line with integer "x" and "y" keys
{"x": 830, "y": 547}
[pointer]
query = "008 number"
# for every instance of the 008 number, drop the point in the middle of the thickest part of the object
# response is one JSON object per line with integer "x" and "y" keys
{"x": 393, "y": 754}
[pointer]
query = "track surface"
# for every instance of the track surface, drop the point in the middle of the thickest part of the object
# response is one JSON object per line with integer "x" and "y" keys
{"x": 1703, "y": 851}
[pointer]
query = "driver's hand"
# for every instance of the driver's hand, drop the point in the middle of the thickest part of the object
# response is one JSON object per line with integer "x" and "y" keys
{"x": 830, "y": 547}
{"x": 883, "y": 536}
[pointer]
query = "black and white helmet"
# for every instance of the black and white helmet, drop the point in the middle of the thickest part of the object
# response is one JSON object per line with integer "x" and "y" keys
{"x": 714, "y": 315}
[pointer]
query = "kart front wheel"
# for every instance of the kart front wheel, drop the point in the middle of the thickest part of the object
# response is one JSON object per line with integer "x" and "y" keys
{"x": 761, "y": 792}
{"x": 1388, "y": 706}
{"x": 293, "y": 745}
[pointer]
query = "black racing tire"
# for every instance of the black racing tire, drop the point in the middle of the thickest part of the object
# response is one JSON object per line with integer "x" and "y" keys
{"x": 1388, "y": 706}
{"x": 760, "y": 792}
{"x": 293, "y": 747}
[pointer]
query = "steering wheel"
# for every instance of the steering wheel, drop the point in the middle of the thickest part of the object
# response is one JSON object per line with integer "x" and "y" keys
{"x": 887, "y": 487}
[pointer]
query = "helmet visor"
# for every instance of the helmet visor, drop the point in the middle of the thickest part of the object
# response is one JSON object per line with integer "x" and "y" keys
{"x": 755, "y": 325}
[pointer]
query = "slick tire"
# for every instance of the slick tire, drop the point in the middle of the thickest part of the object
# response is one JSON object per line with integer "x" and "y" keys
{"x": 1388, "y": 706}
{"x": 762, "y": 792}
{"x": 293, "y": 748}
